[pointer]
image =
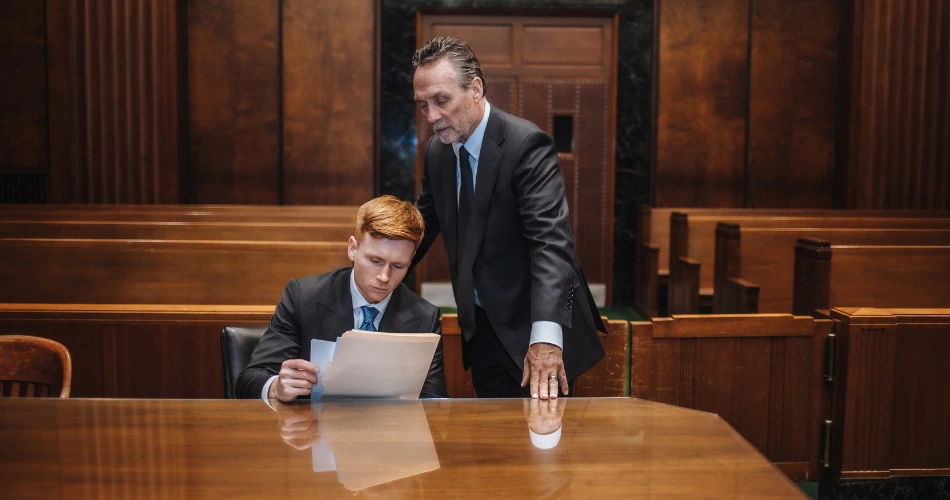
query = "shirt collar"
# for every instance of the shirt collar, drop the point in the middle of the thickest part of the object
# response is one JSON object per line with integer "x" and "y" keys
{"x": 474, "y": 143}
{"x": 360, "y": 301}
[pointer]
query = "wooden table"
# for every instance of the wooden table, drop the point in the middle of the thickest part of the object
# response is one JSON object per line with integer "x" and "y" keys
{"x": 403, "y": 449}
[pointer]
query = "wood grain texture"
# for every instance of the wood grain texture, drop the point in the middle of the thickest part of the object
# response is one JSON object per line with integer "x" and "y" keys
{"x": 23, "y": 107}
{"x": 114, "y": 119}
{"x": 702, "y": 100}
{"x": 756, "y": 371}
{"x": 434, "y": 449}
{"x": 328, "y": 100}
{"x": 233, "y": 95}
{"x": 896, "y": 114}
{"x": 159, "y": 272}
{"x": 793, "y": 81}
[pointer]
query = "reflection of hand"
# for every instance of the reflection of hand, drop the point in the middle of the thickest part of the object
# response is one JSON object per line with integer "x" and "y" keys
{"x": 544, "y": 416}
{"x": 296, "y": 378}
{"x": 544, "y": 368}
{"x": 298, "y": 425}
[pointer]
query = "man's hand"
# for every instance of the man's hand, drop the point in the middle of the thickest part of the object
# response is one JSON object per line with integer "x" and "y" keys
{"x": 298, "y": 425}
{"x": 544, "y": 368}
{"x": 296, "y": 378}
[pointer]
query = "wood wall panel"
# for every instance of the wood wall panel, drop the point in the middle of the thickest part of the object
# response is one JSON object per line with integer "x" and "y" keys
{"x": 329, "y": 83}
{"x": 113, "y": 101}
{"x": 920, "y": 415}
{"x": 233, "y": 96}
{"x": 23, "y": 112}
{"x": 792, "y": 104}
{"x": 702, "y": 99}
{"x": 895, "y": 140}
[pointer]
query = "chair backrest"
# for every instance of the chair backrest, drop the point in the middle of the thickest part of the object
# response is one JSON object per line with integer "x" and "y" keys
{"x": 237, "y": 344}
{"x": 34, "y": 367}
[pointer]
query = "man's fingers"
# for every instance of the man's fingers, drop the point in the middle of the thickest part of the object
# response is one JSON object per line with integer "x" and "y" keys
{"x": 552, "y": 387}
{"x": 534, "y": 382}
{"x": 526, "y": 373}
{"x": 562, "y": 376}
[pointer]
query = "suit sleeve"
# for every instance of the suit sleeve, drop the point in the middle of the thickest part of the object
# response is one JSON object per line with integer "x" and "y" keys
{"x": 280, "y": 342}
{"x": 434, "y": 386}
{"x": 426, "y": 206}
{"x": 546, "y": 221}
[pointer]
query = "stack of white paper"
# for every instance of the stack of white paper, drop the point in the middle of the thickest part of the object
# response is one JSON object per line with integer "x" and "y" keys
{"x": 373, "y": 364}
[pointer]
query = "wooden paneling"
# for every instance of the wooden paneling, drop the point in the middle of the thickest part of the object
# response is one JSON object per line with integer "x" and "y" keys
{"x": 702, "y": 101}
{"x": 328, "y": 101}
{"x": 759, "y": 372}
{"x": 23, "y": 113}
{"x": 895, "y": 136}
{"x": 233, "y": 100}
{"x": 891, "y": 392}
{"x": 113, "y": 101}
{"x": 137, "y": 351}
{"x": 792, "y": 104}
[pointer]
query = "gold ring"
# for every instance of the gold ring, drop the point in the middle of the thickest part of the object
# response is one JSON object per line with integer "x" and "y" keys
{"x": 552, "y": 377}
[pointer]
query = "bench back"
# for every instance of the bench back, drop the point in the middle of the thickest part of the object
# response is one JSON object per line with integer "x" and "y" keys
{"x": 765, "y": 257}
{"x": 829, "y": 276}
{"x": 157, "y": 272}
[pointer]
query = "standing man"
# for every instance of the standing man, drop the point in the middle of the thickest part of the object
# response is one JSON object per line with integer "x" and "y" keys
{"x": 492, "y": 185}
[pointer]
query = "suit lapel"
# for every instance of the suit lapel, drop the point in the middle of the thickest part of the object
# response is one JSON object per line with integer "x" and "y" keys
{"x": 397, "y": 318}
{"x": 489, "y": 163}
{"x": 336, "y": 314}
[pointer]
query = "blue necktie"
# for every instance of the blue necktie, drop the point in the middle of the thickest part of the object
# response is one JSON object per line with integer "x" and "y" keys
{"x": 369, "y": 314}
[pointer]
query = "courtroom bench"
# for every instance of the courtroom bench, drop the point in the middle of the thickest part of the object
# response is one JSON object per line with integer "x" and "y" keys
{"x": 755, "y": 267}
{"x": 828, "y": 276}
{"x": 693, "y": 244}
{"x": 174, "y": 351}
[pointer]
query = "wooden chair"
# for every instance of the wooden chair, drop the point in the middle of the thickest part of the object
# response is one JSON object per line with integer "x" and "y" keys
{"x": 34, "y": 367}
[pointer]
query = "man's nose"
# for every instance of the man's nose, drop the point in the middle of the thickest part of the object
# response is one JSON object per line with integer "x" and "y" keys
{"x": 383, "y": 275}
{"x": 433, "y": 116}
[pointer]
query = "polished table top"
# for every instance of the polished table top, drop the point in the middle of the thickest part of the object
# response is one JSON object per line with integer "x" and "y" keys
{"x": 569, "y": 448}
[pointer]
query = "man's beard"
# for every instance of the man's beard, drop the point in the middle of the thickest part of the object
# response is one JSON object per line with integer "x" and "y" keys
{"x": 451, "y": 135}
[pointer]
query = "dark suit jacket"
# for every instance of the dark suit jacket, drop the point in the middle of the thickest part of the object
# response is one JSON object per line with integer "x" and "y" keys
{"x": 525, "y": 268}
{"x": 321, "y": 307}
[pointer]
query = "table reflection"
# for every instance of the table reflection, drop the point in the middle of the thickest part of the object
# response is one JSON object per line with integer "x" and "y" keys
{"x": 365, "y": 442}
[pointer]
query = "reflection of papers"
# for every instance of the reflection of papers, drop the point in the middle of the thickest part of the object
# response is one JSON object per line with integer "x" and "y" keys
{"x": 370, "y": 443}
{"x": 373, "y": 364}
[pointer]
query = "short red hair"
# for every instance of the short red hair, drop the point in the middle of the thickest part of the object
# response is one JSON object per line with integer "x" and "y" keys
{"x": 391, "y": 218}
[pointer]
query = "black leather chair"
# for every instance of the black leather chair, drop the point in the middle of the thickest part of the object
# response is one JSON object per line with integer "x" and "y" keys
{"x": 237, "y": 344}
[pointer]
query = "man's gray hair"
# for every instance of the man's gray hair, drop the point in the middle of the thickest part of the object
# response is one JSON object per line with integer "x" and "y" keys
{"x": 458, "y": 52}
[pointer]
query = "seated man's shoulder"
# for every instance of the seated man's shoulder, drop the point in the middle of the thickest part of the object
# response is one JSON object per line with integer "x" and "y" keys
{"x": 322, "y": 281}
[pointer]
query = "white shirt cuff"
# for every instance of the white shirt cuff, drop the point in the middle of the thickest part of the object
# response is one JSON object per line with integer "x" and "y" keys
{"x": 267, "y": 388}
{"x": 545, "y": 441}
{"x": 548, "y": 332}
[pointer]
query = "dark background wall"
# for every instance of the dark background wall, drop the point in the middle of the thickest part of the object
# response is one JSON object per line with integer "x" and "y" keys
{"x": 729, "y": 103}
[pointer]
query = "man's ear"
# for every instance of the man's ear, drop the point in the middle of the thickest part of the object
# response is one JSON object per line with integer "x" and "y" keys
{"x": 478, "y": 88}
{"x": 351, "y": 248}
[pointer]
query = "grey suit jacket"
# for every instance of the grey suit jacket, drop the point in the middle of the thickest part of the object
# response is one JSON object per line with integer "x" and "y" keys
{"x": 321, "y": 307}
{"x": 524, "y": 266}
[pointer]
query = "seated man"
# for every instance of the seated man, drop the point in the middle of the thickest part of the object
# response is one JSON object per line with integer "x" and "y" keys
{"x": 368, "y": 296}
